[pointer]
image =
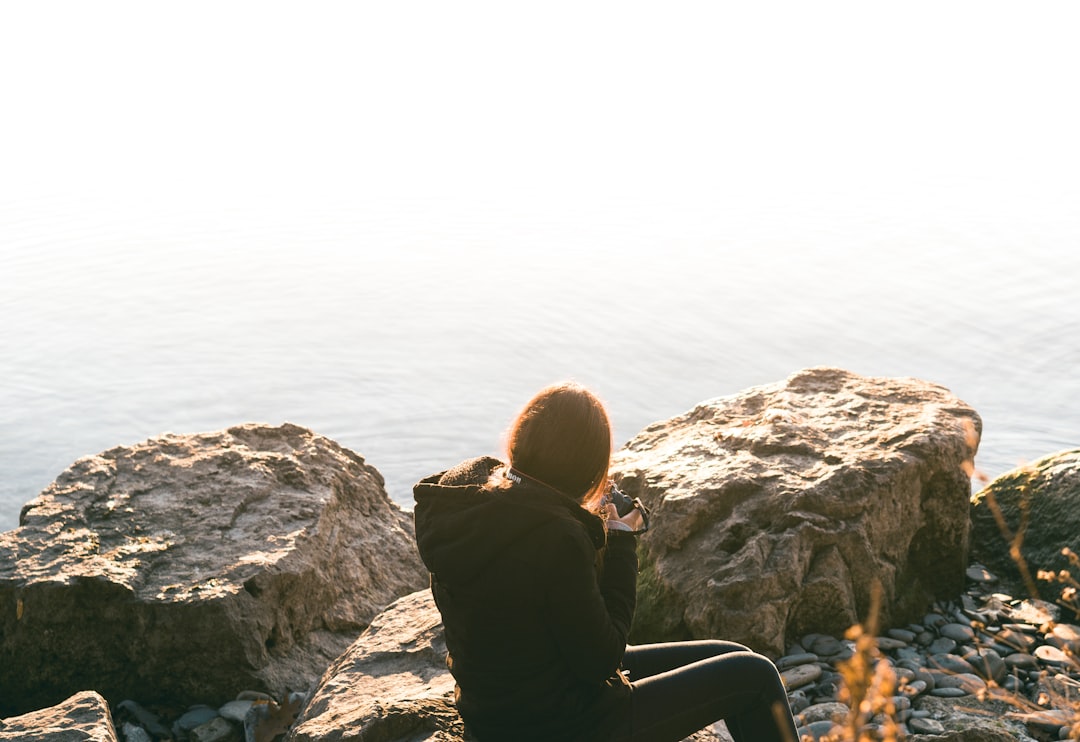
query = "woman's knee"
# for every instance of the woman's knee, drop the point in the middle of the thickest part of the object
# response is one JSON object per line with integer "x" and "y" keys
{"x": 716, "y": 647}
{"x": 763, "y": 668}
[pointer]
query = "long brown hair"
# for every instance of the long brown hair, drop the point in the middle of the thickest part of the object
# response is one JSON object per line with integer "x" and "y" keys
{"x": 563, "y": 439}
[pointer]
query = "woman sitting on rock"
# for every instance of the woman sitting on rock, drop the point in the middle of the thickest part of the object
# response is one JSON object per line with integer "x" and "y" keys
{"x": 534, "y": 573}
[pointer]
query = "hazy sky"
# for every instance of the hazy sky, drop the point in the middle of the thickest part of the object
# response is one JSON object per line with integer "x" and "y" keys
{"x": 211, "y": 108}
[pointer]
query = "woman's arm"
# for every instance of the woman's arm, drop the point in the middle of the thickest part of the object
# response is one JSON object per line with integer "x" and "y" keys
{"x": 618, "y": 578}
{"x": 588, "y": 614}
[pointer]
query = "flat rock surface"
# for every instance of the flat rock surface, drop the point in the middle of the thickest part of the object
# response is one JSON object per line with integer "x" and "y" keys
{"x": 188, "y": 567}
{"x": 391, "y": 684}
{"x": 776, "y": 509}
{"x": 84, "y": 716}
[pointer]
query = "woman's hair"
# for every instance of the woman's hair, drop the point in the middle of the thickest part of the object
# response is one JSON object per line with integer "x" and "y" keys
{"x": 563, "y": 439}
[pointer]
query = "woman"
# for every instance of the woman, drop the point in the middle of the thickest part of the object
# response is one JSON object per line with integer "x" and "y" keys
{"x": 534, "y": 573}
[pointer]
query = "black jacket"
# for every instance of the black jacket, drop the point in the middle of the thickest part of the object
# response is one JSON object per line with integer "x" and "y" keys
{"x": 536, "y": 604}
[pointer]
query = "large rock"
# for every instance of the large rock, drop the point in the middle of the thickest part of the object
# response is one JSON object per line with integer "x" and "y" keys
{"x": 1049, "y": 491}
{"x": 190, "y": 567}
{"x": 776, "y": 510}
{"x": 392, "y": 685}
{"x": 84, "y": 716}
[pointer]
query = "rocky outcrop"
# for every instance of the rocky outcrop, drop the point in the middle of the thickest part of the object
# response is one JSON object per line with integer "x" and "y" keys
{"x": 776, "y": 510}
{"x": 1045, "y": 495}
{"x": 977, "y": 670}
{"x": 392, "y": 685}
{"x": 84, "y": 716}
{"x": 189, "y": 567}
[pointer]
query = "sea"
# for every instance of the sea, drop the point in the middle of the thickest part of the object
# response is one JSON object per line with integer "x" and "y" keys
{"x": 392, "y": 223}
{"x": 412, "y": 333}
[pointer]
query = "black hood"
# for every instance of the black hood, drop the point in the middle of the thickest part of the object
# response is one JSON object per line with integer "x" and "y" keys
{"x": 461, "y": 527}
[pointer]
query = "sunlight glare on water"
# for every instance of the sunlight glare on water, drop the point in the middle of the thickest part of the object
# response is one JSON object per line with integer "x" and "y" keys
{"x": 393, "y": 226}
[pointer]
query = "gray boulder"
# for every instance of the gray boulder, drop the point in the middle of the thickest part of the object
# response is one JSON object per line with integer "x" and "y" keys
{"x": 84, "y": 716}
{"x": 392, "y": 685}
{"x": 190, "y": 567}
{"x": 1049, "y": 491}
{"x": 776, "y": 510}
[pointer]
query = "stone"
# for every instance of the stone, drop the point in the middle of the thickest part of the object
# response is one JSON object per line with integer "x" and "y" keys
{"x": 215, "y": 730}
{"x": 1067, "y": 636}
{"x": 926, "y": 726}
{"x": 1036, "y": 613}
{"x": 133, "y": 733}
{"x": 391, "y": 684}
{"x": 193, "y": 718}
{"x": 1021, "y": 660}
{"x": 950, "y": 663}
{"x": 718, "y": 732}
{"x": 988, "y": 664}
{"x": 834, "y": 712}
{"x": 826, "y": 692}
{"x": 83, "y": 716}
{"x": 914, "y": 688}
{"x": 907, "y": 653}
{"x": 129, "y": 710}
{"x": 934, "y": 620}
{"x": 903, "y": 635}
{"x": 792, "y": 660}
{"x": 904, "y": 674}
{"x": 798, "y": 702}
{"x": 826, "y": 646}
{"x": 1049, "y": 490}
{"x": 253, "y": 695}
{"x": 967, "y": 681}
{"x": 979, "y": 573}
{"x": 948, "y": 692}
{"x": 888, "y": 644}
{"x": 236, "y": 710}
{"x": 800, "y": 675}
{"x": 942, "y": 645}
{"x": 957, "y": 632}
{"x": 1052, "y": 655}
{"x": 817, "y": 730}
{"x": 183, "y": 568}
{"x": 1015, "y": 640}
{"x": 777, "y": 510}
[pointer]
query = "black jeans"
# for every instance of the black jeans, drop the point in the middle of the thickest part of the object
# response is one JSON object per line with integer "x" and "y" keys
{"x": 682, "y": 687}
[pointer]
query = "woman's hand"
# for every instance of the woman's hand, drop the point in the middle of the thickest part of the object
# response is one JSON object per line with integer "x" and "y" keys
{"x": 632, "y": 520}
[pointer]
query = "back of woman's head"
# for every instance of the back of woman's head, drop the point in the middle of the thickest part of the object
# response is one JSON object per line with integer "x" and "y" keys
{"x": 563, "y": 438}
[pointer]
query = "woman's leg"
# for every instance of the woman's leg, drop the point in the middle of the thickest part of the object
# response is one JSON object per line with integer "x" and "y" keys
{"x": 671, "y": 700}
{"x": 645, "y": 660}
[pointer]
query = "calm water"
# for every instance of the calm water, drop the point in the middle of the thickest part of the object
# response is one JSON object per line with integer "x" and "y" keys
{"x": 412, "y": 332}
{"x": 393, "y": 222}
